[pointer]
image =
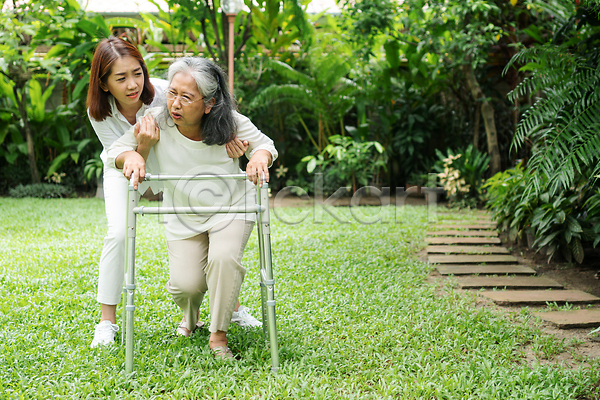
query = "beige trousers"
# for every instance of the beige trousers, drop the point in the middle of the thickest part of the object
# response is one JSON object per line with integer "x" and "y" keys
{"x": 209, "y": 262}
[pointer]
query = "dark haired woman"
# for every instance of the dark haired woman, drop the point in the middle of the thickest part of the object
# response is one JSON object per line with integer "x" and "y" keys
{"x": 205, "y": 251}
{"x": 120, "y": 92}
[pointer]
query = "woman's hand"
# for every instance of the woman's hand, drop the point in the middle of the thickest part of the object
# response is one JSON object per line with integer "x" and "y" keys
{"x": 236, "y": 148}
{"x": 147, "y": 134}
{"x": 259, "y": 164}
{"x": 134, "y": 166}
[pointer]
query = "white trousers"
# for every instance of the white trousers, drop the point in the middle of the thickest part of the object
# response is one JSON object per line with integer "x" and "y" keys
{"x": 112, "y": 260}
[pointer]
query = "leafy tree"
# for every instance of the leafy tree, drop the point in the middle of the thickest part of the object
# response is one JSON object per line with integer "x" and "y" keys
{"x": 18, "y": 65}
{"x": 322, "y": 93}
{"x": 27, "y": 81}
{"x": 202, "y": 26}
{"x": 556, "y": 196}
{"x": 562, "y": 126}
{"x": 454, "y": 36}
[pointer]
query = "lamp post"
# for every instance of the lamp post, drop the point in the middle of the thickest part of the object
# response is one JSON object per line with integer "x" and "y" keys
{"x": 231, "y": 8}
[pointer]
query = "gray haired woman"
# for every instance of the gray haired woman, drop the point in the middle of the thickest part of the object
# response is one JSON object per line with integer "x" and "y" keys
{"x": 205, "y": 251}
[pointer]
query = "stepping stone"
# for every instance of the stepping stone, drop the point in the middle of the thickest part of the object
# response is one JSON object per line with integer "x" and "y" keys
{"x": 540, "y": 297}
{"x": 462, "y": 240}
{"x": 467, "y": 250}
{"x": 472, "y": 259}
{"x": 484, "y": 270}
{"x": 457, "y": 226}
{"x": 462, "y": 233}
{"x": 500, "y": 282}
{"x": 572, "y": 319}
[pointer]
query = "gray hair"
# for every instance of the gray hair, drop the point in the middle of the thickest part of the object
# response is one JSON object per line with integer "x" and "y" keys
{"x": 218, "y": 126}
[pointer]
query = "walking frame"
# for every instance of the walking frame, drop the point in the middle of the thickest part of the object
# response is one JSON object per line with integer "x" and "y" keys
{"x": 267, "y": 283}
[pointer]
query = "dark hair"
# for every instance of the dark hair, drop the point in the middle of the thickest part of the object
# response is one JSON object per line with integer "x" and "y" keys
{"x": 107, "y": 51}
{"x": 218, "y": 126}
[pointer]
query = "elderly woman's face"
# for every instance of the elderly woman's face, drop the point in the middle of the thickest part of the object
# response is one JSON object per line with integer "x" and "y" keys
{"x": 185, "y": 103}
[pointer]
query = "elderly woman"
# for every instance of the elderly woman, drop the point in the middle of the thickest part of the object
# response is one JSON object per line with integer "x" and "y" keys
{"x": 205, "y": 251}
{"x": 120, "y": 91}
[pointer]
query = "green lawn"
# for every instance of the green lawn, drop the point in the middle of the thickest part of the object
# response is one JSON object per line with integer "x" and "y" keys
{"x": 357, "y": 319}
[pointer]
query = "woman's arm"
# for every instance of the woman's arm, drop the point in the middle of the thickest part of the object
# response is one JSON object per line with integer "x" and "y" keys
{"x": 236, "y": 148}
{"x": 109, "y": 130}
{"x": 261, "y": 150}
{"x": 257, "y": 140}
{"x": 123, "y": 155}
{"x": 259, "y": 165}
{"x": 133, "y": 165}
{"x": 106, "y": 134}
{"x": 147, "y": 134}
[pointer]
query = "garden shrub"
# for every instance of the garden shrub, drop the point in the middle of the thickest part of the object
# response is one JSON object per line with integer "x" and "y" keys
{"x": 40, "y": 190}
{"x": 461, "y": 174}
{"x": 562, "y": 223}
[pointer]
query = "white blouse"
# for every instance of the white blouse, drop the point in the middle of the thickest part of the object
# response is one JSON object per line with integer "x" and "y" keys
{"x": 115, "y": 125}
{"x": 178, "y": 155}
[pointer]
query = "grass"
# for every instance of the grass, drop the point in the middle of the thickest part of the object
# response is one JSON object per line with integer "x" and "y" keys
{"x": 357, "y": 319}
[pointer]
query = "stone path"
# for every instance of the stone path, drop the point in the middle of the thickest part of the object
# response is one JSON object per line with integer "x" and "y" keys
{"x": 467, "y": 250}
{"x": 462, "y": 240}
{"x": 472, "y": 252}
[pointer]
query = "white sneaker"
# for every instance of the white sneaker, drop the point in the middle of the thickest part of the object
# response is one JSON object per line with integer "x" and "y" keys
{"x": 243, "y": 318}
{"x": 104, "y": 333}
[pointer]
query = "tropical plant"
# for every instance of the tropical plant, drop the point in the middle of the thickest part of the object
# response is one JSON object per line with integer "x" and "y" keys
{"x": 593, "y": 215}
{"x": 511, "y": 205}
{"x": 92, "y": 171}
{"x": 557, "y": 227}
{"x": 278, "y": 26}
{"x": 562, "y": 126}
{"x": 461, "y": 173}
{"x": 51, "y": 134}
{"x": 556, "y": 196}
{"x": 323, "y": 93}
{"x": 451, "y": 40}
{"x": 349, "y": 162}
{"x": 560, "y": 223}
{"x": 19, "y": 26}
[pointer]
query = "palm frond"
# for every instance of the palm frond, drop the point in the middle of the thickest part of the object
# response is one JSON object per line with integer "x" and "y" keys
{"x": 563, "y": 124}
{"x": 290, "y": 73}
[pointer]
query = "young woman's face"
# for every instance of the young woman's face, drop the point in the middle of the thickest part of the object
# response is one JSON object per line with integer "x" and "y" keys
{"x": 126, "y": 81}
{"x": 185, "y": 103}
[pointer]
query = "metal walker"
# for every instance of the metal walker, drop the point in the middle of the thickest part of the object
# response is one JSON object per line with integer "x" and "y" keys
{"x": 267, "y": 283}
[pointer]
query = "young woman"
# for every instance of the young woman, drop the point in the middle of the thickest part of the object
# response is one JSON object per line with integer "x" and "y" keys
{"x": 120, "y": 92}
{"x": 205, "y": 251}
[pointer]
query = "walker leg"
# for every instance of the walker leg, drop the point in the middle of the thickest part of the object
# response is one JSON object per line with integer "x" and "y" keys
{"x": 124, "y": 297}
{"x": 130, "y": 280}
{"x": 267, "y": 281}
{"x": 263, "y": 286}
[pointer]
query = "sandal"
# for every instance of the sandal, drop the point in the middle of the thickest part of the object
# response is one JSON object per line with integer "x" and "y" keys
{"x": 183, "y": 330}
{"x": 222, "y": 352}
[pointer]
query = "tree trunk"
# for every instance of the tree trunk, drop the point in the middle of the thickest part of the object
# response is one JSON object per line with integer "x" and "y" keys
{"x": 476, "y": 127}
{"x": 515, "y": 113}
{"x": 487, "y": 111}
{"x": 21, "y": 103}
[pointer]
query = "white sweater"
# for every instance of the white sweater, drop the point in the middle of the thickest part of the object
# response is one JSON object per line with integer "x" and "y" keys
{"x": 178, "y": 155}
{"x": 115, "y": 125}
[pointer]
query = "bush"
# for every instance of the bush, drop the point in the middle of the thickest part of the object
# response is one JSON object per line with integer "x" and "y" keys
{"x": 461, "y": 173}
{"x": 40, "y": 190}
{"x": 565, "y": 221}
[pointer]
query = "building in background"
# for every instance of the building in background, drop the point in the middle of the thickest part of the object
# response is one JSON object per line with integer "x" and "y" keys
{"x": 129, "y": 8}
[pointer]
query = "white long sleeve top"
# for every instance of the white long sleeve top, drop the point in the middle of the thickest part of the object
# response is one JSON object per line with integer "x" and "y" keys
{"x": 115, "y": 125}
{"x": 178, "y": 155}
